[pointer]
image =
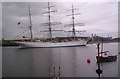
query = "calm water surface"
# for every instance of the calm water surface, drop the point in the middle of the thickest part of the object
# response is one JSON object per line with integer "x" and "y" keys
{"x": 40, "y": 62}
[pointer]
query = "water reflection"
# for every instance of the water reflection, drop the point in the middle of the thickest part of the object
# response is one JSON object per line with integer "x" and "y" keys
{"x": 40, "y": 62}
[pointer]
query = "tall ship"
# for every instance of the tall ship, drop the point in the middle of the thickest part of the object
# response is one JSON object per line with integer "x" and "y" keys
{"x": 52, "y": 42}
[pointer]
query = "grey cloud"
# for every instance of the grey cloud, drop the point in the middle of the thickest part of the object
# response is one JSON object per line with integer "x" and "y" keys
{"x": 102, "y": 15}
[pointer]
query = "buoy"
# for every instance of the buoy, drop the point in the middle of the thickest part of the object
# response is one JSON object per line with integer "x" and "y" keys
{"x": 88, "y": 60}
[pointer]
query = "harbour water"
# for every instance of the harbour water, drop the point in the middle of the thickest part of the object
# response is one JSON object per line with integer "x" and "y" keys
{"x": 42, "y": 62}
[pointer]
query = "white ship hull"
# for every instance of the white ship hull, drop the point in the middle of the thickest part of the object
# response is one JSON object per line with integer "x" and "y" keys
{"x": 51, "y": 44}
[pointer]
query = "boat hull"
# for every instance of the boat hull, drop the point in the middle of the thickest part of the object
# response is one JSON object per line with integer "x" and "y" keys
{"x": 107, "y": 59}
{"x": 51, "y": 44}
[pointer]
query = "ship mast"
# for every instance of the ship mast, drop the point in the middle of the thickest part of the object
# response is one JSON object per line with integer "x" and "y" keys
{"x": 50, "y": 29}
{"x": 30, "y": 26}
{"x": 73, "y": 22}
{"x": 50, "y": 23}
{"x": 74, "y": 34}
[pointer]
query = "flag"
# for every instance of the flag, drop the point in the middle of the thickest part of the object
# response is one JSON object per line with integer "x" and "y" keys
{"x": 18, "y": 23}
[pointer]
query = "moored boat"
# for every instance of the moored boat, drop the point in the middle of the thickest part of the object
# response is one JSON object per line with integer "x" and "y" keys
{"x": 72, "y": 43}
{"x": 107, "y": 59}
{"x": 105, "y": 56}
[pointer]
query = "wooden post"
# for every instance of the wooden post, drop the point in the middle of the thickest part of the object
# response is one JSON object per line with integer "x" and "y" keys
{"x": 98, "y": 71}
{"x": 98, "y": 51}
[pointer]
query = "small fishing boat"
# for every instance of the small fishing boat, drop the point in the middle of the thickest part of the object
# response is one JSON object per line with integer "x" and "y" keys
{"x": 105, "y": 56}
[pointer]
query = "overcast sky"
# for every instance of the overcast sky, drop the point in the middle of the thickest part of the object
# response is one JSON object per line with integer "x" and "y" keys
{"x": 100, "y": 18}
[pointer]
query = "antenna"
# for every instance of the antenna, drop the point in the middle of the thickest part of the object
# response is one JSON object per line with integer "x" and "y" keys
{"x": 73, "y": 22}
{"x": 30, "y": 26}
{"x": 50, "y": 23}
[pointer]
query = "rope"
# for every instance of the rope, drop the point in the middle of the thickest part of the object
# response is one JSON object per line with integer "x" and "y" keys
{"x": 21, "y": 33}
{"x": 79, "y": 33}
{"x": 75, "y": 65}
{"x": 50, "y": 65}
{"x": 59, "y": 61}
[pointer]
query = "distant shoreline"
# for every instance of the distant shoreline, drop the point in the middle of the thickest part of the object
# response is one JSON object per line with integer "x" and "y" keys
{"x": 95, "y": 42}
